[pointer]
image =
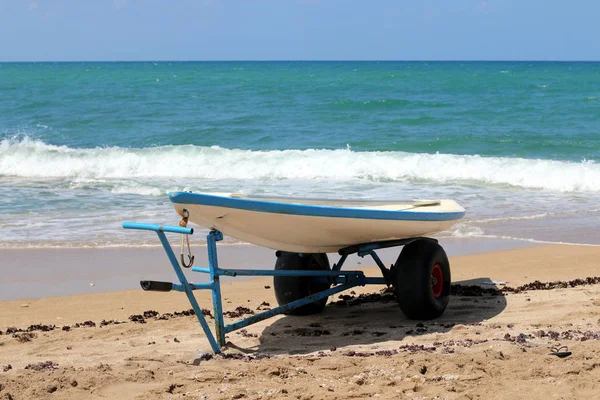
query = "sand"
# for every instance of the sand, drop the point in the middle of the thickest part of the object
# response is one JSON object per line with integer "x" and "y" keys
{"x": 490, "y": 346}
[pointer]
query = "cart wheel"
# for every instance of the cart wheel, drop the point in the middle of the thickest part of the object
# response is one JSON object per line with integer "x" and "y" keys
{"x": 422, "y": 280}
{"x": 291, "y": 288}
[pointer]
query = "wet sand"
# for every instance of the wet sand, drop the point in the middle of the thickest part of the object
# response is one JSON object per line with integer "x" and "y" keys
{"x": 44, "y": 272}
{"x": 493, "y": 343}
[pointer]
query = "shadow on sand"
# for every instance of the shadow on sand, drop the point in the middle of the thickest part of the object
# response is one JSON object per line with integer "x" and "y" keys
{"x": 376, "y": 320}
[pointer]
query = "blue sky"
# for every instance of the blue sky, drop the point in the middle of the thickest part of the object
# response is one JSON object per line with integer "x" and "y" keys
{"x": 73, "y": 30}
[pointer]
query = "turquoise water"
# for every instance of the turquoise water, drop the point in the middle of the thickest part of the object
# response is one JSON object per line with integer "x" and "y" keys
{"x": 84, "y": 146}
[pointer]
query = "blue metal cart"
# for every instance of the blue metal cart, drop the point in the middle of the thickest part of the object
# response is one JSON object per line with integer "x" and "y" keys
{"x": 420, "y": 277}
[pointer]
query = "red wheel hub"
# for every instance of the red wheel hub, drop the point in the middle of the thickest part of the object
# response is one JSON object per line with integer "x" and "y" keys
{"x": 437, "y": 281}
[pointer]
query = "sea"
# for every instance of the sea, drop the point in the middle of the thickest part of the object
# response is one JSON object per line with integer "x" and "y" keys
{"x": 85, "y": 146}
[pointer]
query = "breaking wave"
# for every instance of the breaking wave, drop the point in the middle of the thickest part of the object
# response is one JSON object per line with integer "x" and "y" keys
{"x": 28, "y": 158}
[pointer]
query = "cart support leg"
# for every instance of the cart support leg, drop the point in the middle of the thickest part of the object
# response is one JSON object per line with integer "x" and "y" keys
{"x": 213, "y": 263}
{"x": 338, "y": 266}
{"x": 188, "y": 291}
{"x": 384, "y": 271}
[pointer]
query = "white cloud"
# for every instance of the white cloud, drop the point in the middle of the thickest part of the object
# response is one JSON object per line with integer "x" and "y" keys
{"x": 33, "y": 5}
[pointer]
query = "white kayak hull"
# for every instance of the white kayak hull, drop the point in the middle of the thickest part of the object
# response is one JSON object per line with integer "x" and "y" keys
{"x": 316, "y": 226}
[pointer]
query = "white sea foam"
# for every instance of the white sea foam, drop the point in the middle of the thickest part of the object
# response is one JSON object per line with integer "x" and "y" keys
{"x": 515, "y": 218}
{"x": 143, "y": 190}
{"x": 536, "y": 241}
{"x": 463, "y": 230}
{"x": 28, "y": 158}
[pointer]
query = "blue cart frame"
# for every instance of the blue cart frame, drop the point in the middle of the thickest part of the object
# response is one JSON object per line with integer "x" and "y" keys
{"x": 342, "y": 280}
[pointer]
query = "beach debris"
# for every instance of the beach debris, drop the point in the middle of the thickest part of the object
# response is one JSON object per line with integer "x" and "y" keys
{"x": 92, "y": 284}
{"x": 386, "y": 353}
{"x": 281, "y": 372}
{"x": 85, "y": 324}
{"x": 243, "y": 357}
{"x": 104, "y": 367}
{"x": 423, "y": 370}
{"x": 413, "y": 348}
{"x": 354, "y": 332}
{"x": 537, "y": 285}
{"x": 6, "y": 368}
{"x": 173, "y": 386}
{"x": 150, "y": 314}
{"x": 202, "y": 357}
{"x": 246, "y": 334}
{"x": 238, "y": 312}
{"x": 264, "y": 306}
{"x": 474, "y": 291}
{"x": 40, "y": 327}
{"x": 24, "y": 337}
{"x": 42, "y": 366}
{"x": 267, "y": 287}
{"x": 570, "y": 334}
{"x": 460, "y": 343}
{"x": 51, "y": 388}
{"x": 421, "y": 328}
{"x": 353, "y": 353}
{"x": 384, "y": 296}
{"x": 185, "y": 313}
{"x": 312, "y": 332}
{"x": 25, "y": 305}
{"x": 560, "y": 352}
{"x": 137, "y": 318}
{"x": 110, "y": 322}
{"x": 522, "y": 338}
{"x": 359, "y": 379}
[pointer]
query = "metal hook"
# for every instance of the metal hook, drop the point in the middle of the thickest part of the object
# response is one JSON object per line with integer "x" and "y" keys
{"x": 190, "y": 256}
{"x": 185, "y": 214}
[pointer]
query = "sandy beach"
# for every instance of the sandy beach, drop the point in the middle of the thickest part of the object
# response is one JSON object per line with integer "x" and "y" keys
{"x": 137, "y": 345}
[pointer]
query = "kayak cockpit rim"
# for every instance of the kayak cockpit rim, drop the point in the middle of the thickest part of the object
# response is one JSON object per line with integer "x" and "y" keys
{"x": 413, "y": 212}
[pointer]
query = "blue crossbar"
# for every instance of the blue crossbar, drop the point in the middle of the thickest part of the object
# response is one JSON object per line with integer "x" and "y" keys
{"x": 290, "y": 272}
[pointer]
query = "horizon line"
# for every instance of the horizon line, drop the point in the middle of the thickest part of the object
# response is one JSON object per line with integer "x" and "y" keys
{"x": 297, "y": 60}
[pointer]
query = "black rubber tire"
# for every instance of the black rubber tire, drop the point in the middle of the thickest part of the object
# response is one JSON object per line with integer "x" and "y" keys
{"x": 414, "y": 283}
{"x": 291, "y": 288}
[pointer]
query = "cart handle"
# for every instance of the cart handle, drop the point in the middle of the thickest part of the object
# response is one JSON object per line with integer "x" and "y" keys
{"x": 158, "y": 228}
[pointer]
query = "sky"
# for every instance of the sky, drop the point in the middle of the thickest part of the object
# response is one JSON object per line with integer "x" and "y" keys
{"x": 155, "y": 30}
